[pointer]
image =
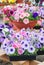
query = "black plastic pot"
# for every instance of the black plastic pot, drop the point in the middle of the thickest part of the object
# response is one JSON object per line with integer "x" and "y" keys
{"x": 22, "y": 57}
{"x": 40, "y": 52}
{"x": 37, "y": 27}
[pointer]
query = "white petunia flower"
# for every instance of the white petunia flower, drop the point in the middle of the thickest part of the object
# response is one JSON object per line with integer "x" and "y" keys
{"x": 41, "y": 39}
{"x": 7, "y": 51}
{"x": 5, "y": 30}
{"x": 24, "y": 44}
{"x": 18, "y": 36}
{"x": 11, "y": 50}
{"x": 31, "y": 49}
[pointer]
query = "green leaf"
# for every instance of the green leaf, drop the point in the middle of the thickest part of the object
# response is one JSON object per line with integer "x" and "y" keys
{"x": 7, "y": 33}
{"x": 37, "y": 25}
{"x": 21, "y": 20}
{"x": 42, "y": 49}
{"x": 6, "y": 21}
{"x": 12, "y": 18}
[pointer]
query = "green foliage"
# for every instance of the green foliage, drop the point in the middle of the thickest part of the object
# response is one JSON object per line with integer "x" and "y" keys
{"x": 12, "y": 18}
{"x": 32, "y": 18}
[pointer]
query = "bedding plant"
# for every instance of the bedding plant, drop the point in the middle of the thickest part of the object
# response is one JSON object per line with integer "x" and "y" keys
{"x": 25, "y": 42}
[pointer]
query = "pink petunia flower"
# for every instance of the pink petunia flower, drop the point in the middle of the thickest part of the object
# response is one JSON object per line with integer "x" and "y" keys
{"x": 22, "y": 15}
{"x": 5, "y": 19}
{"x": 20, "y": 51}
{"x": 23, "y": 33}
{"x": 25, "y": 21}
{"x": 16, "y": 16}
{"x": 27, "y": 14}
{"x": 39, "y": 22}
{"x": 16, "y": 45}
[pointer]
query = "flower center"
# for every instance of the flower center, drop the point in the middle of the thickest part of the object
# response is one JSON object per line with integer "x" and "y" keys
{"x": 41, "y": 38}
{"x": 26, "y": 45}
{"x": 11, "y": 49}
{"x": 31, "y": 48}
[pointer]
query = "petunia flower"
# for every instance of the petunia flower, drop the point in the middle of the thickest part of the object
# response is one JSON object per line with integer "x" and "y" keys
{"x": 11, "y": 12}
{"x": 16, "y": 17}
{"x": 35, "y": 35}
{"x": 39, "y": 22}
{"x": 25, "y": 21}
{"x": 42, "y": 31}
{"x": 10, "y": 50}
{"x": 38, "y": 45}
{"x": 27, "y": 14}
{"x": 6, "y": 19}
{"x": 23, "y": 33}
{"x": 41, "y": 39}
{"x": 18, "y": 36}
{"x": 24, "y": 44}
{"x": 16, "y": 45}
{"x": 1, "y": 34}
{"x": 7, "y": 51}
{"x": 31, "y": 49}
{"x": 32, "y": 9}
{"x": 20, "y": 51}
{"x": 5, "y": 44}
{"x": 35, "y": 14}
{"x": 22, "y": 15}
{"x": 1, "y": 26}
{"x": 42, "y": 24}
{"x": 2, "y": 39}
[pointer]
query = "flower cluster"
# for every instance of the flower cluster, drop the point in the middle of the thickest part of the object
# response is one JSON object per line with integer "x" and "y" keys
{"x": 20, "y": 13}
{"x": 24, "y": 42}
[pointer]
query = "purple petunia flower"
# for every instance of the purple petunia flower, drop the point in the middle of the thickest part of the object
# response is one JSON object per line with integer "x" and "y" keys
{"x": 2, "y": 39}
{"x": 38, "y": 45}
{"x": 8, "y": 26}
{"x": 35, "y": 14}
{"x": 1, "y": 34}
{"x": 1, "y": 26}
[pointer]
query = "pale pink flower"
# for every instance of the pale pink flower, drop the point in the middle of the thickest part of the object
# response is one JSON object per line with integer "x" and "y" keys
{"x": 20, "y": 51}
{"x": 39, "y": 22}
{"x": 25, "y": 21}
{"x": 27, "y": 14}
{"x": 5, "y": 19}
{"x": 22, "y": 15}
{"x": 16, "y": 16}
{"x": 21, "y": 11}
{"x": 13, "y": 36}
{"x": 23, "y": 33}
{"x": 26, "y": 6}
{"x": 14, "y": 45}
